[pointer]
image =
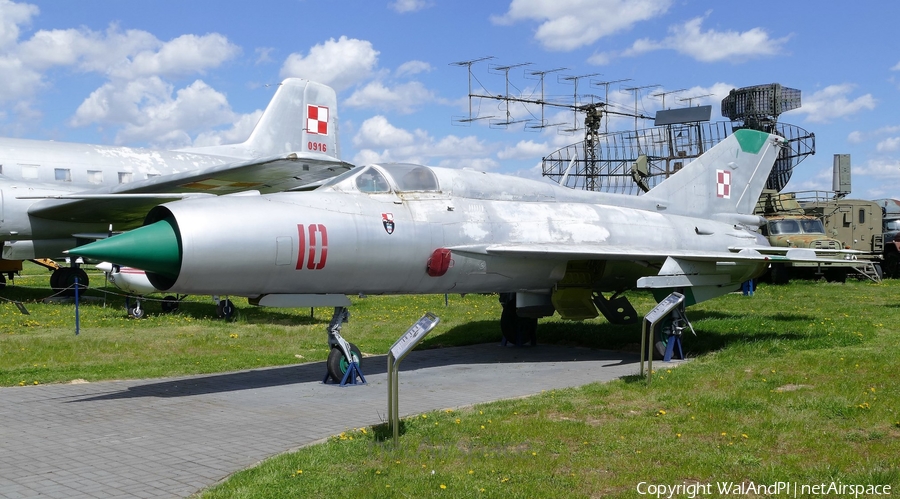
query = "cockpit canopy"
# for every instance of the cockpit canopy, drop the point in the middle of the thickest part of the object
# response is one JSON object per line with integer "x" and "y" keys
{"x": 400, "y": 177}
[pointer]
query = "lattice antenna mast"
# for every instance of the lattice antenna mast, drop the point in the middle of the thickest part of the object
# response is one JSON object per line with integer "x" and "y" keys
{"x": 606, "y": 85}
{"x": 574, "y": 80}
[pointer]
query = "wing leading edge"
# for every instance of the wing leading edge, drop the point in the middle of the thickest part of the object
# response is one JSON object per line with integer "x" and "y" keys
{"x": 127, "y": 204}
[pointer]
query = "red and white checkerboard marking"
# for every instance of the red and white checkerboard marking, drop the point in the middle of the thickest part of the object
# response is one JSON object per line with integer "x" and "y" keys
{"x": 317, "y": 119}
{"x": 723, "y": 184}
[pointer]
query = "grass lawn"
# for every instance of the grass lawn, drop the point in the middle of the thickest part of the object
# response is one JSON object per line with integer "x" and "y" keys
{"x": 797, "y": 384}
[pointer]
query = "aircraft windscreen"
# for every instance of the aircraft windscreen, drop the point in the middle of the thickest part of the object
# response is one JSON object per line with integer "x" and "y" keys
{"x": 412, "y": 177}
{"x": 371, "y": 180}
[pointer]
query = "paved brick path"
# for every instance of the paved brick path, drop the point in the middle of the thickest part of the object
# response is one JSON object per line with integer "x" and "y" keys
{"x": 173, "y": 437}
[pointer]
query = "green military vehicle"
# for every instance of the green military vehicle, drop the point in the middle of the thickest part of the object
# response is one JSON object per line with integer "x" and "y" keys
{"x": 845, "y": 229}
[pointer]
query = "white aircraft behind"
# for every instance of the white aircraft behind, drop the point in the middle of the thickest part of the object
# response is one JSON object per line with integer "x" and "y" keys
{"x": 135, "y": 282}
{"x": 57, "y": 195}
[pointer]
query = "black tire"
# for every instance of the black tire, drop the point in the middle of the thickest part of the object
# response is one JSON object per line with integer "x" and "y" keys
{"x": 56, "y": 278}
{"x": 169, "y": 304}
{"x": 892, "y": 265}
{"x": 779, "y": 273}
{"x": 508, "y": 323}
{"x": 338, "y": 364}
{"x": 66, "y": 280}
{"x": 517, "y": 330}
{"x": 225, "y": 309}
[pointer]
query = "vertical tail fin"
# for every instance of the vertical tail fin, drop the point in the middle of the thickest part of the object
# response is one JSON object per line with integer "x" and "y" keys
{"x": 728, "y": 179}
{"x": 301, "y": 118}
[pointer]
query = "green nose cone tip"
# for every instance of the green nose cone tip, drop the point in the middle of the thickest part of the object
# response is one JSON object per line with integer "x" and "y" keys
{"x": 153, "y": 248}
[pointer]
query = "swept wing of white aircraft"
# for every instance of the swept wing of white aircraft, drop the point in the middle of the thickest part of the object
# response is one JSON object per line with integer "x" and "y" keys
{"x": 55, "y": 195}
{"x": 410, "y": 229}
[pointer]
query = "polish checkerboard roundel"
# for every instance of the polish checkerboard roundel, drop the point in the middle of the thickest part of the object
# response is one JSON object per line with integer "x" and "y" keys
{"x": 317, "y": 119}
{"x": 723, "y": 184}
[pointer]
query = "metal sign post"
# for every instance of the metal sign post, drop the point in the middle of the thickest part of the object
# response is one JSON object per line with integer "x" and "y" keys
{"x": 662, "y": 309}
{"x": 398, "y": 351}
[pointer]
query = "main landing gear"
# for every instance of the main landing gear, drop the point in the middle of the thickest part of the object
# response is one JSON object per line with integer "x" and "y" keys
{"x": 63, "y": 279}
{"x": 516, "y": 330}
{"x": 344, "y": 358}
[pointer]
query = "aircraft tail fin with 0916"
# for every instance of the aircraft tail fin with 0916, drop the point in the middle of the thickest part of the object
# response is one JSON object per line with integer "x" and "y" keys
{"x": 302, "y": 117}
{"x": 723, "y": 182}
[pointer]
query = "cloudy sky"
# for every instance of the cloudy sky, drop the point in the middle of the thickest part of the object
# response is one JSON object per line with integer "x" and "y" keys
{"x": 171, "y": 73}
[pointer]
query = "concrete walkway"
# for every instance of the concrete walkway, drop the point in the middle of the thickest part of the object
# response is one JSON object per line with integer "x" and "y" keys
{"x": 174, "y": 437}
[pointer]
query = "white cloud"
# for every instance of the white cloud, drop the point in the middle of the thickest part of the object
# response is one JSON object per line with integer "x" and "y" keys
{"x": 896, "y": 67}
{"x": 403, "y": 6}
{"x": 570, "y": 24}
{"x": 888, "y": 168}
{"x": 888, "y": 145}
{"x": 410, "y": 68}
{"x": 377, "y": 132}
{"x": 184, "y": 55}
{"x": 146, "y": 111}
{"x": 380, "y": 141}
{"x": 710, "y": 45}
{"x": 525, "y": 149}
{"x": 404, "y": 98}
{"x": 238, "y": 132}
{"x": 832, "y": 102}
{"x": 338, "y": 63}
{"x": 12, "y": 15}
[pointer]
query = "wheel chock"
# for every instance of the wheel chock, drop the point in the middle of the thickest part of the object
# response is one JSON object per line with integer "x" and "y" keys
{"x": 350, "y": 376}
{"x": 673, "y": 342}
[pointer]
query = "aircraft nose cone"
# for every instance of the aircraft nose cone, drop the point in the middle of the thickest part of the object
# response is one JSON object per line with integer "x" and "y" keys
{"x": 153, "y": 248}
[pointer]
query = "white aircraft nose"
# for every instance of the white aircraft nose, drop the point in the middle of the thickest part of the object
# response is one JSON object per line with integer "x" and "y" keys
{"x": 104, "y": 267}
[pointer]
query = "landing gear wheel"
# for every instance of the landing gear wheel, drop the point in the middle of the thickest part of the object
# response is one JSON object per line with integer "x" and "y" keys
{"x": 225, "y": 309}
{"x": 169, "y": 304}
{"x": 57, "y": 276}
{"x": 136, "y": 311}
{"x": 65, "y": 280}
{"x": 517, "y": 330}
{"x": 338, "y": 364}
{"x": 779, "y": 273}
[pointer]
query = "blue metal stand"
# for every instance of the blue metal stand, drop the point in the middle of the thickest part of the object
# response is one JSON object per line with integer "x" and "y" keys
{"x": 350, "y": 376}
{"x": 674, "y": 340}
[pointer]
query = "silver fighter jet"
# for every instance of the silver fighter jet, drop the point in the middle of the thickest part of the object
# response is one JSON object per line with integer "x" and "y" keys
{"x": 410, "y": 229}
{"x": 55, "y": 194}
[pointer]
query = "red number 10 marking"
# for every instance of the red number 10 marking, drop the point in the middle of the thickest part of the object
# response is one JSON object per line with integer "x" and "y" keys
{"x": 313, "y": 231}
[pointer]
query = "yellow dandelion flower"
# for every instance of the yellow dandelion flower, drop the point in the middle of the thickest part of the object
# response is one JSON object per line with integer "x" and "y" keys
{"x": 443, "y": 486}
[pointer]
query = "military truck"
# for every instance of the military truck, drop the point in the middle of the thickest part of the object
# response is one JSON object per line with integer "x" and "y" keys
{"x": 817, "y": 220}
{"x": 890, "y": 226}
